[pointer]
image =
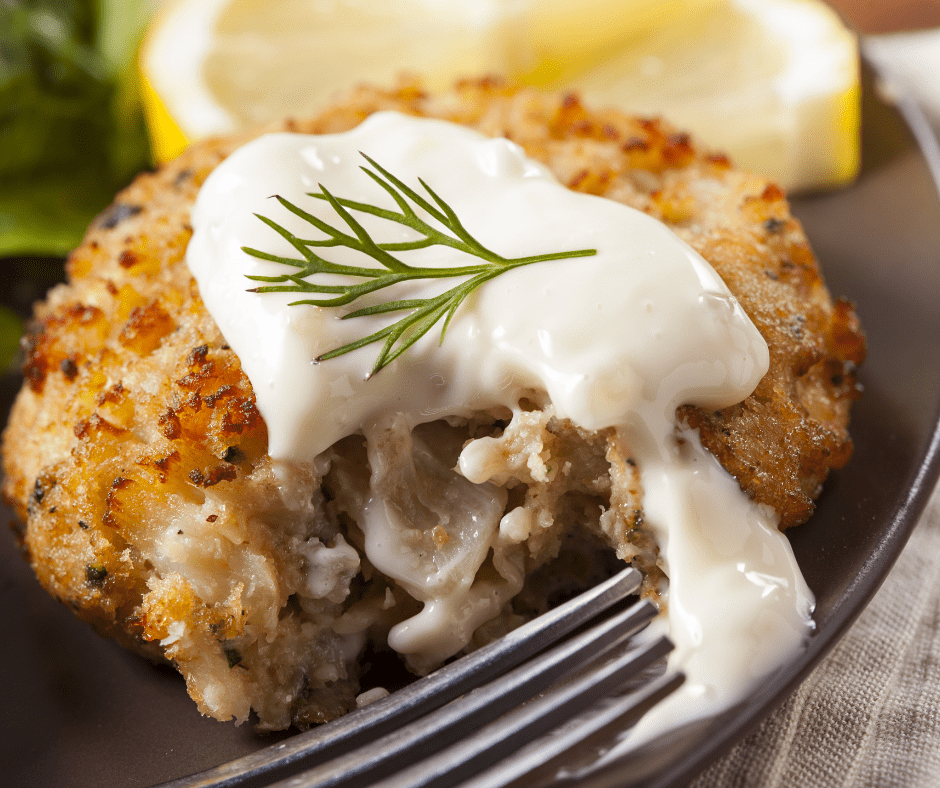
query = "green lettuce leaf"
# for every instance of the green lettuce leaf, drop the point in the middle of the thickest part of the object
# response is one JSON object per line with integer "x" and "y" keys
{"x": 71, "y": 129}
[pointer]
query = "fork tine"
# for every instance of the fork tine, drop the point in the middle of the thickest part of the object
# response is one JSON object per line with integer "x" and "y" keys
{"x": 494, "y": 743}
{"x": 543, "y": 751}
{"x": 451, "y": 723}
{"x": 364, "y": 725}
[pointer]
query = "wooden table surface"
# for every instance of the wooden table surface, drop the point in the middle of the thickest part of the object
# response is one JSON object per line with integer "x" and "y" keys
{"x": 883, "y": 16}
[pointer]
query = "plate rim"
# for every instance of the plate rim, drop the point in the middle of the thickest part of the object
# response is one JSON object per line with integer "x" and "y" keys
{"x": 894, "y": 536}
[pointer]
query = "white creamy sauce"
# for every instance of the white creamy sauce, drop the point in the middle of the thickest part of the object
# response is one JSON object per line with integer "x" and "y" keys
{"x": 618, "y": 340}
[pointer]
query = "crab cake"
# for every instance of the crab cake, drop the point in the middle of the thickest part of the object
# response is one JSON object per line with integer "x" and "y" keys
{"x": 136, "y": 458}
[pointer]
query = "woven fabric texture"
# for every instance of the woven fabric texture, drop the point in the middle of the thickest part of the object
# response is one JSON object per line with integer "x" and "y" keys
{"x": 869, "y": 715}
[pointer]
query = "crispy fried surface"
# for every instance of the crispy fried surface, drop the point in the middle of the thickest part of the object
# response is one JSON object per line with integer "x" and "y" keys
{"x": 136, "y": 457}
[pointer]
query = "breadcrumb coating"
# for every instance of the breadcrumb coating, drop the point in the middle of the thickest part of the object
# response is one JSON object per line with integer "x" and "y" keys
{"x": 135, "y": 456}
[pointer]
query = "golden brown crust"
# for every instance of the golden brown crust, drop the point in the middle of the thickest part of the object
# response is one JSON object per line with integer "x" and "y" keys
{"x": 134, "y": 407}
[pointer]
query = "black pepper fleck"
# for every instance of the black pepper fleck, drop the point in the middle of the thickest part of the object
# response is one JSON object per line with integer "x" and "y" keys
{"x": 69, "y": 368}
{"x": 95, "y": 575}
{"x": 232, "y": 655}
{"x": 233, "y": 455}
{"x": 116, "y": 214}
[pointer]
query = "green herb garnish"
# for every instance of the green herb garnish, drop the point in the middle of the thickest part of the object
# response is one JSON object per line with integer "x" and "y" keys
{"x": 423, "y": 312}
{"x": 233, "y": 656}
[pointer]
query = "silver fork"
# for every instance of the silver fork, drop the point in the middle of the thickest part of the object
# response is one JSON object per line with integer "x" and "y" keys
{"x": 446, "y": 723}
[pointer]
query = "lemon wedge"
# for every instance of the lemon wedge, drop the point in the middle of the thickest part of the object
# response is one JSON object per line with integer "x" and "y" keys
{"x": 772, "y": 82}
{"x": 775, "y": 83}
{"x": 215, "y": 66}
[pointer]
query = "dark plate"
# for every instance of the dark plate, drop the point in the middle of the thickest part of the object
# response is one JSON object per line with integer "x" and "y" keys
{"x": 79, "y": 711}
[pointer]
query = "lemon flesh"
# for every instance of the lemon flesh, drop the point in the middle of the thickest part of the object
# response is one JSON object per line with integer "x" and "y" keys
{"x": 772, "y": 82}
{"x": 555, "y": 41}
{"x": 217, "y": 66}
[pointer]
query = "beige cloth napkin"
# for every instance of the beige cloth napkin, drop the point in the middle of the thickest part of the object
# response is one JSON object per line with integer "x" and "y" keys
{"x": 869, "y": 714}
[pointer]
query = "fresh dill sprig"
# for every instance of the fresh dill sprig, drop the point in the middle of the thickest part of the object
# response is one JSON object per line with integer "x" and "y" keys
{"x": 423, "y": 313}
